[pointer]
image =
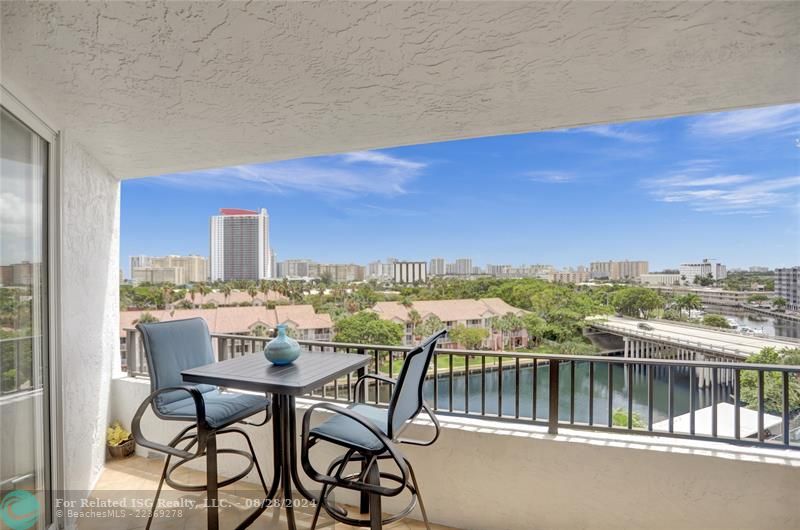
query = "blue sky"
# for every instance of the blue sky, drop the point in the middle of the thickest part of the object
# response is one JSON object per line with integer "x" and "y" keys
{"x": 722, "y": 185}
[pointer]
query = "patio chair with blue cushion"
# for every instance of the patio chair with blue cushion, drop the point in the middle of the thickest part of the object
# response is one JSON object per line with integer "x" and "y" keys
{"x": 172, "y": 347}
{"x": 371, "y": 434}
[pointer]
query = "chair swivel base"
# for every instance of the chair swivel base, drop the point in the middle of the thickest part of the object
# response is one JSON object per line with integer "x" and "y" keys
{"x": 180, "y": 486}
{"x": 341, "y": 515}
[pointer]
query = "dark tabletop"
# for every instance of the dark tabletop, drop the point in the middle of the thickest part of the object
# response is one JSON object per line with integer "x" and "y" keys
{"x": 253, "y": 372}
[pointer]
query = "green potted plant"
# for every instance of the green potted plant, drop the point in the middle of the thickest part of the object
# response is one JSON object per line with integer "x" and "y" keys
{"x": 119, "y": 441}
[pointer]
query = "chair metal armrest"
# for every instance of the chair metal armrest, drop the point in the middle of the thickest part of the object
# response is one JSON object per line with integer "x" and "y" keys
{"x": 376, "y": 377}
{"x": 436, "y": 426}
{"x": 267, "y": 416}
{"x": 200, "y": 408}
{"x": 388, "y": 447}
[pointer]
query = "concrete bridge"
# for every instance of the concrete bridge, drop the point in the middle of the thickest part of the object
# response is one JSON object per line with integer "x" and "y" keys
{"x": 674, "y": 340}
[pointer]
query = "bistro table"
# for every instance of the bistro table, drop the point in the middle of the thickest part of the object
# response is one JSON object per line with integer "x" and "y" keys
{"x": 310, "y": 371}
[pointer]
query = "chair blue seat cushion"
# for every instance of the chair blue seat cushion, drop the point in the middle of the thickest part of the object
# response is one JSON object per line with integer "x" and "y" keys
{"x": 222, "y": 409}
{"x": 341, "y": 430}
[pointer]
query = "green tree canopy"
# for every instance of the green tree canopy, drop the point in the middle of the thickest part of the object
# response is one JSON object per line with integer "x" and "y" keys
{"x": 430, "y": 325}
{"x": 637, "y": 302}
{"x": 688, "y": 302}
{"x": 470, "y": 338}
{"x": 366, "y": 327}
{"x": 535, "y": 326}
{"x": 717, "y": 321}
{"x": 758, "y": 297}
{"x": 773, "y": 381}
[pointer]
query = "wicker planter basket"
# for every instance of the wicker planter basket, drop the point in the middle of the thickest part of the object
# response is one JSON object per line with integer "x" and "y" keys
{"x": 124, "y": 449}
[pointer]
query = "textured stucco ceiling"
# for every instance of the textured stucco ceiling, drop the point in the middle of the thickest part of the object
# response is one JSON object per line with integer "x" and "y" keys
{"x": 152, "y": 88}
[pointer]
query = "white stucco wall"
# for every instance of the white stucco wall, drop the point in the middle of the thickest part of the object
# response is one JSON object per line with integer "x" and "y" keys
{"x": 89, "y": 308}
{"x": 490, "y": 475}
{"x": 155, "y": 87}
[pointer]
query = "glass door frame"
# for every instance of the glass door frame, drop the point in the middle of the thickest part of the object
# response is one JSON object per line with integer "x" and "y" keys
{"x": 52, "y": 235}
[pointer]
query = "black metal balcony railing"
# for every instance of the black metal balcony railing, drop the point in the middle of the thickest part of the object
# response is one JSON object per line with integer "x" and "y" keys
{"x": 615, "y": 394}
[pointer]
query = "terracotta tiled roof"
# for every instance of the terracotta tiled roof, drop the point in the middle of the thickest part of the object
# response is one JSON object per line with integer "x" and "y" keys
{"x": 236, "y": 319}
{"x": 447, "y": 310}
{"x": 303, "y": 316}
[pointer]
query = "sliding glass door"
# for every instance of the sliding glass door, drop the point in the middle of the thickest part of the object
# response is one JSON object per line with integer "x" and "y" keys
{"x": 25, "y": 453}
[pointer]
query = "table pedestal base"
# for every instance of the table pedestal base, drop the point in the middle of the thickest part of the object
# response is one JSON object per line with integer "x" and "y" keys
{"x": 284, "y": 442}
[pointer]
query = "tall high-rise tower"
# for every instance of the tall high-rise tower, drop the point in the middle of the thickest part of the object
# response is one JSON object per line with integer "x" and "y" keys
{"x": 240, "y": 245}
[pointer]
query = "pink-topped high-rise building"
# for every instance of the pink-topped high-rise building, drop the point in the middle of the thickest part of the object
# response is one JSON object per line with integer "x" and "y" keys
{"x": 239, "y": 245}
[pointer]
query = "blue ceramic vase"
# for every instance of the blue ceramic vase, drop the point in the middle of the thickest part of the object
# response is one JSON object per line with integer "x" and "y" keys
{"x": 282, "y": 349}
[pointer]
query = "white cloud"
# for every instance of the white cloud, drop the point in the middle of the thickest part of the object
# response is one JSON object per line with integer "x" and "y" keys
{"x": 552, "y": 177}
{"x": 381, "y": 159}
{"x": 726, "y": 194}
{"x": 690, "y": 181}
{"x": 350, "y": 174}
{"x": 748, "y": 122}
{"x": 625, "y": 133}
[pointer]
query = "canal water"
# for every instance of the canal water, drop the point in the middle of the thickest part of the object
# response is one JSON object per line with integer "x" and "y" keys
{"x": 599, "y": 397}
{"x": 771, "y": 326}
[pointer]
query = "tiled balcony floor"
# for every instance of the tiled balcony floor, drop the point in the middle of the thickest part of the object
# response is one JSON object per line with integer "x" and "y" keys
{"x": 137, "y": 478}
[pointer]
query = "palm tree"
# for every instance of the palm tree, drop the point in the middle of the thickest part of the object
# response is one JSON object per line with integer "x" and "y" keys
{"x": 193, "y": 292}
{"x": 415, "y": 319}
{"x": 226, "y": 291}
{"x": 499, "y": 325}
{"x": 513, "y": 324}
{"x": 689, "y": 301}
{"x": 166, "y": 293}
{"x": 204, "y": 289}
{"x": 264, "y": 288}
{"x": 252, "y": 290}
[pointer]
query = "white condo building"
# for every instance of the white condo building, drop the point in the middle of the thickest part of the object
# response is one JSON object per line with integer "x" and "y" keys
{"x": 239, "y": 242}
{"x": 787, "y": 286}
{"x": 410, "y": 271}
{"x": 437, "y": 267}
{"x": 706, "y": 268}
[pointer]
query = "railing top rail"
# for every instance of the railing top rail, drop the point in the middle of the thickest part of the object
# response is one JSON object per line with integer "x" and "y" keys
{"x": 565, "y": 357}
{"x": 539, "y": 356}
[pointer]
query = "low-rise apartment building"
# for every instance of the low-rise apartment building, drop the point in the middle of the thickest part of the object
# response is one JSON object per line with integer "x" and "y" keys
{"x": 466, "y": 312}
{"x": 711, "y": 295}
{"x": 661, "y": 279}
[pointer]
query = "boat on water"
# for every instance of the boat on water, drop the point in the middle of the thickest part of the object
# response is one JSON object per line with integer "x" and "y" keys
{"x": 746, "y": 330}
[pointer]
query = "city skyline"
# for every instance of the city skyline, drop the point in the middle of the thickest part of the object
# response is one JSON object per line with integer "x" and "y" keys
{"x": 674, "y": 190}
